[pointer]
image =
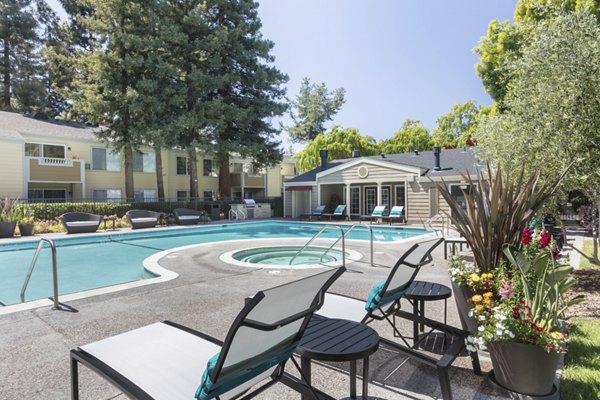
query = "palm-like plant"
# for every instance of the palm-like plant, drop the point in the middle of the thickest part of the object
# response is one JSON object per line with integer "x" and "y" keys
{"x": 498, "y": 205}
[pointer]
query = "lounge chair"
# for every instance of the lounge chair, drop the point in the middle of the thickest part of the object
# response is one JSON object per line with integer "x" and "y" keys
{"x": 339, "y": 212}
{"x": 169, "y": 361}
{"x": 142, "y": 218}
{"x": 396, "y": 214}
{"x": 80, "y": 222}
{"x": 383, "y": 303}
{"x": 317, "y": 213}
{"x": 378, "y": 213}
{"x": 185, "y": 216}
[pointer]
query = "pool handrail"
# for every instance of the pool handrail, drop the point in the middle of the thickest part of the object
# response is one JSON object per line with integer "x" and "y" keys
{"x": 323, "y": 229}
{"x": 54, "y": 271}
{"x": 346, "y": 234}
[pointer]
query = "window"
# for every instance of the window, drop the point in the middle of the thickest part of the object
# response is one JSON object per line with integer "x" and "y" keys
{"x": 183, "y": 195}
{"x": 252, "y": 171}
{"x": 105, "y": 160}
{"x": 385, "y": 197}
{"x": 208, "y": 195}
{"x": 237, "y": 168}
{"x": 400, "y": 199}
{"x": 45, "y": 150}
{"x": 208, "y": 168}
{"x": 457, "y": 192}
{"x": 145, "y": 195}
{"x": 354, "y": 200}
{"x": 110, "y": 195}
{"x": 51, "y": 195}
{"x": 144, "y": 162}
{"x": 183, "y": 166}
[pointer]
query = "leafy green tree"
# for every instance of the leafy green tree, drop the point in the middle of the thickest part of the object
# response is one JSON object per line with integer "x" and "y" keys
{"x": 340, "y": 143}
{"x": 314, "y": 106}
{"x": 455, "y": 129}
{"x": 24, "y": 25}
{"x": 411, "y": 136}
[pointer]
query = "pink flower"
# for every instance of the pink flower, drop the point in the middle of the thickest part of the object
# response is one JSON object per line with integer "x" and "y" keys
{"x": 526, "y": 236}
{"x": 545, "y": 238}
{"x": 506, "y": 291}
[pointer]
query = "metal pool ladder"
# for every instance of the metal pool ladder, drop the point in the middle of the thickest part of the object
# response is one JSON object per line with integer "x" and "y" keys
{"x": 54, "y": 271}
{"x": 326, "y": 227}
{"x": 346, "y": 234}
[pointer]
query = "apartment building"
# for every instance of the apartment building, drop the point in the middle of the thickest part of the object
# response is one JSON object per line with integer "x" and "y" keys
{"x": 44, "y": 159}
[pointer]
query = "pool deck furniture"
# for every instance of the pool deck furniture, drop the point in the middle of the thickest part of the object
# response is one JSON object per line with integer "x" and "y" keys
{"x": 396, "y": 214}
{"x": 143, "y": 218}
{"x": 452, "y": 242}
{"x": 108, "y": 218}
{"x": 170, "y": 361}
{"x": 383, "y": 304}
{"x": 338, "y": 340}
{"x": 420, "y": 292}
{"x": 317, "y": 214}
{"x": 80, "y": 222}
{"x": 186, "y": 216}
{"x": 338, "y": 213}
{"x": 376, "y": 215}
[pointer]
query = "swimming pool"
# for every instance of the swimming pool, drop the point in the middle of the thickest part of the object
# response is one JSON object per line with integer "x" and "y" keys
{"x": 95, "y": 261}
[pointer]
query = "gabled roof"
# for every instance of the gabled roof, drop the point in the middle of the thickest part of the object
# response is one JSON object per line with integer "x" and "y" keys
{"x": 453, "y": 162}
{"x": 17, "y": 126}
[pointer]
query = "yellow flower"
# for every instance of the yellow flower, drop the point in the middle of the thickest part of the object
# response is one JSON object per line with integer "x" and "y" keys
{"x": 488, "y": 295}
{"x": 479, "y": 307}
{"x": 557, "y": 335}
{"x": 487, "y": 301}
{"x": 474, "y": 277}
{"x": 477, "y": 298}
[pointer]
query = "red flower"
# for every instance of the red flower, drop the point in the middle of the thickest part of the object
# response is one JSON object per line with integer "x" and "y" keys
{"x": 555, "y": 253}
{"x": 545, "y": 238}
{"x": 526, "y": 236}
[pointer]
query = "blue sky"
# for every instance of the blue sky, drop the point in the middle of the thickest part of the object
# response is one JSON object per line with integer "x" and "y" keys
{"x": 397, "y": 59}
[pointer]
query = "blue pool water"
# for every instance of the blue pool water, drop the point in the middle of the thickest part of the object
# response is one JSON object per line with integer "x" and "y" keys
{"x": 89, "y": 262}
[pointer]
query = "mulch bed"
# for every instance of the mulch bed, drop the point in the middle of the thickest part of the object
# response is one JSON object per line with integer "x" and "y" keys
{"x": 588, "y": 283}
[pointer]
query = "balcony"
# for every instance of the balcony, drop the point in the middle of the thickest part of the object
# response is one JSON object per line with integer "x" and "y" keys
{"x": 44, "y": 169}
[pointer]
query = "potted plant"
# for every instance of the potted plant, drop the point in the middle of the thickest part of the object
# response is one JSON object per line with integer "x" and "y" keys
{"x": 8, "y": 217}
{"x": 26, "y": 221}
{"x": 519, "y": 315}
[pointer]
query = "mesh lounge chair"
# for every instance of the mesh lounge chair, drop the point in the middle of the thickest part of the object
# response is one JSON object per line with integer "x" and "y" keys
{"x": 185, "y": 216}
{"x": 339, "y": 212}
{"x": 142, "y": 218}
{"x": 396, "y": 214}
{"x": 78, "y": 222}
{"x": 317, "y": 213}
{"x": 377, "y": 213}
{"x": 383, "y": 303}
{"x": 169, "y": 361}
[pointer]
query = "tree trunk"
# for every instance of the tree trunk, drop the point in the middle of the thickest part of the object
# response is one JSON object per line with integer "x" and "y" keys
{"x": 129, "y": 189}
{"x": 160, "y": 185}
{"x": 224, "y": 177}
{"x": 595, "y": 235}
{"x": 193, "y": 173}
{"x": 6, "y": 63}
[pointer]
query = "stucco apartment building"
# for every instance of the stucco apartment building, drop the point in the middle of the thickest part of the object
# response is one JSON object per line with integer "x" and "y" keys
{"x": 45, "y": 159}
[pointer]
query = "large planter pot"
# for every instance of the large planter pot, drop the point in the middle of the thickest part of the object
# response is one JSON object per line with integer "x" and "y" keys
{"x": 26, "y": 229}
{"x": 524, "y": 368}
{"x": 7, "y": 229}
{"x": 461, "y": 296}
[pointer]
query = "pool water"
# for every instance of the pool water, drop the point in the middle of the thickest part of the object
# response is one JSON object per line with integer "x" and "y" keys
{"x": 95, "y": 261}
{"x": 283, "y": 255}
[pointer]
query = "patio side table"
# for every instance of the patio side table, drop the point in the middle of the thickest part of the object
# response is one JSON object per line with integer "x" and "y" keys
{"x": 112, "y": 218}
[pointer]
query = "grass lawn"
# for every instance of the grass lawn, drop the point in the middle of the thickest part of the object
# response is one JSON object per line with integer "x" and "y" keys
{"x": 581, "y": 375}
{"x": 587, "y": 250}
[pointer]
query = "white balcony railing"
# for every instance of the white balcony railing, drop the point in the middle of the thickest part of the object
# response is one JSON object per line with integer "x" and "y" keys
{"x": 55, "y": 162}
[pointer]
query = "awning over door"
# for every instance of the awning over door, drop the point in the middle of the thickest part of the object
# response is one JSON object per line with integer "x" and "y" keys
{"x": 291, "y": 188}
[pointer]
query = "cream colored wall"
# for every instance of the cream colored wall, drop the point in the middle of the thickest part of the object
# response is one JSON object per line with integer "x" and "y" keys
{"x": 376, "y": 173}
{"x": 418, "y": 207}
{"x": 11, "y": 169}
{"x": 274, "y": 181}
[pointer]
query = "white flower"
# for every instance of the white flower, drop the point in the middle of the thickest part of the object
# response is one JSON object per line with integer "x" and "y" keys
{"x": 500, "y": 325}
{"x": 471, "y": 349}
{"x": 481, "y": 317}
{"x": 499, "y": 332}
{"x": 509, "y": 333}
{"x": 480, "y": 328}
{"x": 470, "y": 314}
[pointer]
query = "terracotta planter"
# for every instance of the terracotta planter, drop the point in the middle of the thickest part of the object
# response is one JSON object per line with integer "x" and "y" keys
{"x": 461, "y": 295}
{"x": 26, "y": 229}
{"x": 524, "y": 368}
{"x": 7, "y": 229}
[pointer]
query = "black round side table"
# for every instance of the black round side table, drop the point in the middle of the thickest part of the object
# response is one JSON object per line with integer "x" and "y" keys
{"x": 418, "y": 293}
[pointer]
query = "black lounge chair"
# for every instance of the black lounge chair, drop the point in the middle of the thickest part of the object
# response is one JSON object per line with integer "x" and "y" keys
{"x": 142, "y": 218}
{"x": 317, "y": 213}
{"x": 80, "y": 222}
{"x": 378, "y": 213}
{"x": 396, "y": 213}
{"x": 338, "y": 213}
{"x": 169, "y": 361}
{"x": 186, "y": 216}
{"x": 383, "y": 303}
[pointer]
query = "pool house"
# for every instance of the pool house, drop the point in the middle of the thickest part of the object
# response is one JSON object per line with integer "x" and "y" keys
{"x": 362, "y": 183}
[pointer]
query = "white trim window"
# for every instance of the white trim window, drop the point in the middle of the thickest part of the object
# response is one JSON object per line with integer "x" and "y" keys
{"x": 46, "y": 150}
{"x": 457, "y": 192}
{"x": 355, "y": 200}
{"x": 144, "y": 195}
{"x": 183, "y": 195}
{"x": 182, "y": 165}
{"x": 51, "y": 195}
{"x": 106, "y": 195}
{"x": 105, "y": 160}
{"x": 144, "y": 162}
{"x": 208, "y": 195}
{"x": 208, "y": 167}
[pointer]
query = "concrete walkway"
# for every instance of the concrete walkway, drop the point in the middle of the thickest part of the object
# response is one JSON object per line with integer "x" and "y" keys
{"x": 207, "y": 295}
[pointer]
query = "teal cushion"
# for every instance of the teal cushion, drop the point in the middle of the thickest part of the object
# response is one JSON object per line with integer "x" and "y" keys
{"x": 375, "y": 300}
{"x": 377, "y": 212}
{"x": 396, "y": 212}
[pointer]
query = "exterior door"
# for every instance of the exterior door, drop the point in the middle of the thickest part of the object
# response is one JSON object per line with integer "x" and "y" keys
{"x": 370, "y": 200}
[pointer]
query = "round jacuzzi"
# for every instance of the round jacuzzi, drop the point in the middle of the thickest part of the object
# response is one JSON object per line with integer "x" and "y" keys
{"x": 288, "y": 257}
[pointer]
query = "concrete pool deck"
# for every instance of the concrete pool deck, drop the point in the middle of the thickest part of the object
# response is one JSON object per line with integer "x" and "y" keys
{"x": 207, "y": 295}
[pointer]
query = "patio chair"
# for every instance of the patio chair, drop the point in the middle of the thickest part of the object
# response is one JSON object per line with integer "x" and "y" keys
{"x": 142, "y": 218}
{"x": 377, "y": 213}
{"x": 80, "y": 222}
{"x": 383, "y": 303}
{"x": 339, "y": 212}
{"x": 396, "y": 214}
{"x": 317, "y": 213}
{"x": 186, "y": 216}
{"x": 169, "y": 361}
